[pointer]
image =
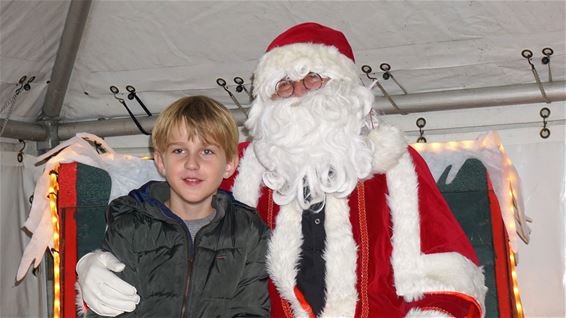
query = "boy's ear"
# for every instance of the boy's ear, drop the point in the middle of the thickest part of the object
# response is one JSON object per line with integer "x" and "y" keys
{"x": 231, "y": 167}
{"x": 158, "y": 159}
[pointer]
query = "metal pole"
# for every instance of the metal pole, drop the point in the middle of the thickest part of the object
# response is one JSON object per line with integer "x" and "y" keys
{"x": 65, "y": 58}
{"x": 418, "y": 102}
{"x": 26, "y": 131}
{"x": 472, "y": 98}
{"x": 106, "y": 127}
{"x": 120, "y": 126}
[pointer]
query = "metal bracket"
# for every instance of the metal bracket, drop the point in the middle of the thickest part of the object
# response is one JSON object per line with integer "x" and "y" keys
{"x": 242, "y": 87}
{"x": 528, "y": 54}
{"x": 21, "y": 152}
{"x": 115, "y": 92}
{"x": 23, "y": 84}
{"x": 386, "y": 68}
{"x": 421, "y": 122}
{"x": 222, "y": 83}
{"x": 367, "y": 70}
{"x": 544, "y": 132}
{"x": 133, "y": 95}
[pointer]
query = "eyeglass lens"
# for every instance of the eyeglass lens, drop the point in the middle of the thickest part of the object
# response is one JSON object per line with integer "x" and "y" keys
{"x": 285, "y": 87}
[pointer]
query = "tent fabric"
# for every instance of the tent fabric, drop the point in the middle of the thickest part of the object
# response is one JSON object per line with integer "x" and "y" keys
{"x": 541, "y": 268}
{"x": 168, "y": 49}
{"x": 175, "y": 48}
{"x": 25, "y": 298}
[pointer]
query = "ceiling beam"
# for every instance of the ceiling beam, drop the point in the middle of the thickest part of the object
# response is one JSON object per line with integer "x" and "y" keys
{"x": 25, "y": 131}
{"x": 65, "y": 58}
{"x": 412, "y": 103}
{"x": 120, "y": 126}
{"x": 472, "y": 98}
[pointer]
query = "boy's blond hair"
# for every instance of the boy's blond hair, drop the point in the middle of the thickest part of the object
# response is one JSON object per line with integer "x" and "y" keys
{"x": 204, "y": 118}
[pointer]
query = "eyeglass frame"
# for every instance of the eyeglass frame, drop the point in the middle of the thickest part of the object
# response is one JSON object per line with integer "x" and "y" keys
{"x": 321, "y": 79}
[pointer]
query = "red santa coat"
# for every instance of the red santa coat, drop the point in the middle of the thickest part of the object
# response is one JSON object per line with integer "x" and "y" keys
{"x": 393, "y": 247}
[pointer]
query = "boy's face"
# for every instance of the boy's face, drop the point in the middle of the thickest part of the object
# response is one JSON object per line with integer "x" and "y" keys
{"x": 194, "y": 171}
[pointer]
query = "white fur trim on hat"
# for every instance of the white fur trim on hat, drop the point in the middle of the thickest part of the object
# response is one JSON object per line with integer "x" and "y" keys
{"x": 297, "y": 60}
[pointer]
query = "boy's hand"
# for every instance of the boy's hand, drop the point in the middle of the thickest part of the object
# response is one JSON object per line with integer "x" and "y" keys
{"x": 101, "y": 289}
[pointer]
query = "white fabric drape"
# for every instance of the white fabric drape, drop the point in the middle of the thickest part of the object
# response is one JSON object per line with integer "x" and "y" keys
{"x": 26, "y": 298}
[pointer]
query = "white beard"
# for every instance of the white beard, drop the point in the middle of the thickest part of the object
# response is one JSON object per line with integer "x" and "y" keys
{"x": 313, "y": 142}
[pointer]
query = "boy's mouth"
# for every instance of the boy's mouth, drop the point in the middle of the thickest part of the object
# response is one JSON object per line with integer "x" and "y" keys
{"x": 192, "y": 180}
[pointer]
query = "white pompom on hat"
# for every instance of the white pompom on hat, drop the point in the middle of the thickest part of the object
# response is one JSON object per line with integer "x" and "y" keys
{"x": 304, "y": 48}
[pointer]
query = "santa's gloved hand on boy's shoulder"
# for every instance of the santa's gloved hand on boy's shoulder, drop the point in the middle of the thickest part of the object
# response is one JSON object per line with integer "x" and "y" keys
{"x": 102, "y": 291}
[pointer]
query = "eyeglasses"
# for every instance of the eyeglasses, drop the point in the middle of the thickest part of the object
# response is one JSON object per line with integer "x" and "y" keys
{"x": 285, "y": 87}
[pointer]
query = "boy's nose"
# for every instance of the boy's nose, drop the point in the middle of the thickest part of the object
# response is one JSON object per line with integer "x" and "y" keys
{"x": 191, "y": 163}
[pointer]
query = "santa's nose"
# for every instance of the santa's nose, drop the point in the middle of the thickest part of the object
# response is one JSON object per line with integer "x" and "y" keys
{"x": 299, "y": 89}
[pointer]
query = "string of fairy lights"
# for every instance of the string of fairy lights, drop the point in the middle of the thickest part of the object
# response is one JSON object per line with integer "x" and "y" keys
{"x": 53, "y": 192}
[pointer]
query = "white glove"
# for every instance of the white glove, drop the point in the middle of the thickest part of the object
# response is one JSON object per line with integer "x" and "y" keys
{"x": 101, "y": 289}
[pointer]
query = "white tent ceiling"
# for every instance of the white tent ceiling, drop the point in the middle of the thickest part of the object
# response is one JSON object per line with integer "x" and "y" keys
{"x": 167, "y": 49}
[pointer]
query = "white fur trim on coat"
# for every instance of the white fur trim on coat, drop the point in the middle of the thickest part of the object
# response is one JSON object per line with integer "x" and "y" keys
{"x": 418, "y": 313}
{"x": 341, "y": 259}
{"x": 340, "y": 252}
{"x": 283, "y": 252}
{"x": 297, "y": 60}
{"x": 416, "y": 273}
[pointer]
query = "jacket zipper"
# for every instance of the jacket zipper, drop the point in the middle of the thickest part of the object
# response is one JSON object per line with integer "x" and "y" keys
{"x": 190, "y": 261}
{"x": 184, "y": 310}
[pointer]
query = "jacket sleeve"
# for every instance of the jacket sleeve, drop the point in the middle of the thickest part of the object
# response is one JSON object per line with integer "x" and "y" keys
{"x": 118, "y": 240}
{"x": 252, "y": 297}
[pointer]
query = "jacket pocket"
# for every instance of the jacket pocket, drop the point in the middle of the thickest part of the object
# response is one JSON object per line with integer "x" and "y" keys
{"x": 218, "y": 272}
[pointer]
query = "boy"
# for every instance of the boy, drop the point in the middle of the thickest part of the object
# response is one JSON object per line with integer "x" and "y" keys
{"x": 190, "y": 249}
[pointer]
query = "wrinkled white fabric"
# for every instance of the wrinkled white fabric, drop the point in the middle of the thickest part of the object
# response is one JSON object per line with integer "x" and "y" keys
{"x": 126, "y": 172}
{"x": 24, "y": 298}
{"x": 503, "y": 175}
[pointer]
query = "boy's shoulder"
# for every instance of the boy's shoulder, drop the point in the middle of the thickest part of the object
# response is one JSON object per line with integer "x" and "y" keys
{"x": 240, "y": 209}
{"x": 143, "y": 199}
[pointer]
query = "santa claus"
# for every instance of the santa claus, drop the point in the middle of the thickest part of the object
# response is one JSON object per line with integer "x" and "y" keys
{"x": 359, "y": 228}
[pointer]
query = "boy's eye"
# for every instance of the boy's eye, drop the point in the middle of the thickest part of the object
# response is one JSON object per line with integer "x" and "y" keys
{"x": 207, "y": 151}
{"x": 177, "y": 151}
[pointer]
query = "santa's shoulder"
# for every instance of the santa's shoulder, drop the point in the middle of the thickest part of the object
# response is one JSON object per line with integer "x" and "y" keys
{"x": 389, "y": 145}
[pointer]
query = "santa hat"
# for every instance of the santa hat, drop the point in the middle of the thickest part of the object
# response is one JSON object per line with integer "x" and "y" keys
{"x": 304, "y": 48}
